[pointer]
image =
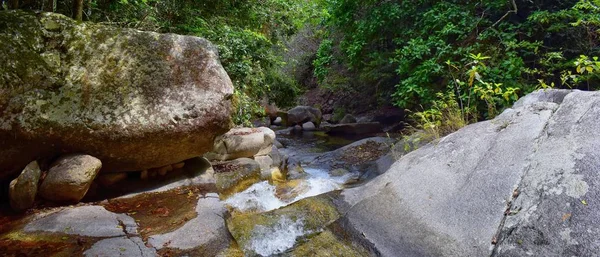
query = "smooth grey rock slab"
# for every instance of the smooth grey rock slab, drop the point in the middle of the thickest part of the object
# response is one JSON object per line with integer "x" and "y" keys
{"x": 208, "y": 229}
{"x": 120, "y": 246}
{"x": 558, "y": 208}
{"x": 92, "y": 221}
{"x": 448, "y": 198}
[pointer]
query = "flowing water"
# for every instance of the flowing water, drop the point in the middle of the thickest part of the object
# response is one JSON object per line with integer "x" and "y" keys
{"x": 265, "y": 197}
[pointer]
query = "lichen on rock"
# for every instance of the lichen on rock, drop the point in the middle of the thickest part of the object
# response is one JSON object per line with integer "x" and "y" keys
{"x": 134, "y": 99}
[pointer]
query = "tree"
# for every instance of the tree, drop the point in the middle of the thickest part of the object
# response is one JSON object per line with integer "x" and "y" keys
{"x": 13, "y": 4}
{"x": 49, "y": 5}
{"x": 78, "y": 10}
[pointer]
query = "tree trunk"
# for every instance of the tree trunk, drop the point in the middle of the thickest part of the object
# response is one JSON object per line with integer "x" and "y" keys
{"x": 50, "y": 5}
{"x": 78, "y": 10}
{"x": 13, "y": 4}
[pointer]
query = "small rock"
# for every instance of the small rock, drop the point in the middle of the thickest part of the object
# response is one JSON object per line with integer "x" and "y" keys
{"x": 265, "y": 162}
{"x": 178, "y": 165}
{"x": 295, "y": 170}
{"x": 348, "y": 119}
{"x": 309, "y": 126}
{"x": 278, "y": 144}
{"x": 164, "y": 170}
{"x": 23, "y": 189}
{"x": 242, "y": 143}
{"x": 276, "y": 156}
{"x": 70, "y": 178}
{"x": 277, "y": 121}
{"x": 144, "y": 175}
{"x": 338, "y": 172}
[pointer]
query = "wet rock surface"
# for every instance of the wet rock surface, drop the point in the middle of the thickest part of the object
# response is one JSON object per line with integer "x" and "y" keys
{"x": 204, "y": 235}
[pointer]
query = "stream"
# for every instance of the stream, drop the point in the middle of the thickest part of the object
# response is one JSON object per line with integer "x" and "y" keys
{"x": 264, "y": 197}
{"x": 176, "y": 214}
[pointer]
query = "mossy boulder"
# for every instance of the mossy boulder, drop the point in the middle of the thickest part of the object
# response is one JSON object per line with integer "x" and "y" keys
{"x": 134, "y": 99}
{"x": 236, "y": 176}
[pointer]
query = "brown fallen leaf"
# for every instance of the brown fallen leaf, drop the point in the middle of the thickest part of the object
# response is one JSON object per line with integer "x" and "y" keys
{"x": 566, "y": 216}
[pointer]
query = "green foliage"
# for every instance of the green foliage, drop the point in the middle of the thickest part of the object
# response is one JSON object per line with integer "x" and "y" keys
{"x": 429, "y": 44}
{"x": 248, "y": 34}
{"x": 444, "y": 117}
{"x": 324, "y": 56}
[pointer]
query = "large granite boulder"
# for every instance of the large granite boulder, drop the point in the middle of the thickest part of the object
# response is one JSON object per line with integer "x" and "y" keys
{"x": 242, "y": 143}
{"x": 523, "y": 184}
{"x": 134, "y": 99}
{"x": 302, "y": 114}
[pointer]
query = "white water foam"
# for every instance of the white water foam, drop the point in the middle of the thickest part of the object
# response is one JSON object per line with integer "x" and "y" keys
{"x": 262, "y": 196}
{"x": 258, "y": 197}
{"x": 275, "y": 239}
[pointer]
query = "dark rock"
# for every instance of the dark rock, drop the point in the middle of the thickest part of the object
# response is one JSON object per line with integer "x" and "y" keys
{"x": 302, "y": 114}
{"x": 356, "y": 156}
{"x": 348, "y": 118}
{"x": 133, "y": 99}
{"x": 354, "y": 128}
{"x": 23, "y": 189}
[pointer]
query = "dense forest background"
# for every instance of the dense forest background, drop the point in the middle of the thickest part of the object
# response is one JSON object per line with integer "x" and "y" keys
{"x": 449, "y": 62}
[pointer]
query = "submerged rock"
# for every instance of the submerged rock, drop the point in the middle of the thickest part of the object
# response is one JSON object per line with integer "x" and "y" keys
{"x": 69, "y": 178}
{"x": 522, "y": 184}
{"x": 354, "y": 128}
{"x": 133, "y": 99}
{"x": 22, "y": 190}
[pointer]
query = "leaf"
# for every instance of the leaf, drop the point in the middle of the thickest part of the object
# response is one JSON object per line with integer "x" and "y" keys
{"x": 566, "y": 216}
{"x": 584, "y": 202}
